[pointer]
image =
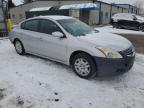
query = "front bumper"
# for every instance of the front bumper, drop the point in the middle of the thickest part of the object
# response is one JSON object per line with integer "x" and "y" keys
{"x": 112, "y": 67}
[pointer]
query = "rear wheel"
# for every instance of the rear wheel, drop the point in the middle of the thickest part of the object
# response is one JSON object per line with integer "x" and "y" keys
{"x": 84, "y": 66}
{"x": 115, "y": 25}
{"x": 19, "y": 47}
{"x": 119, "y": 26}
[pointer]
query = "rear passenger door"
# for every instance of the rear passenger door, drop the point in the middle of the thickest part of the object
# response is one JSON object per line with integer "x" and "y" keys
{"x": 30, "y": 35}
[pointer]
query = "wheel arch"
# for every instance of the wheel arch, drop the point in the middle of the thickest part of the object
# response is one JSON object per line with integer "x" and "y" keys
{"x": 77, "y": 52}
{"x": 16, "y": 39}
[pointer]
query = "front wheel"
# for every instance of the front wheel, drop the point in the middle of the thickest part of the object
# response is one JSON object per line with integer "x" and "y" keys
{"x": 141, "y": 28}
{"x": 19, "y": 47}
{"x": 84, "y": 66}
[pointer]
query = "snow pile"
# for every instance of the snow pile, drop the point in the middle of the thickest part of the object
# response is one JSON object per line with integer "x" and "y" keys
{"x": 31, "y": 82}
{"x": 79, "y": 6}
{"x": 40, "y": 9}
{"x": 122, "y": 16}
{"x": 110, "y": 29}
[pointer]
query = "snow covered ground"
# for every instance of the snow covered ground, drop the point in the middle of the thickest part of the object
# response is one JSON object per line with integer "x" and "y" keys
{"x": 110, "y": 29}
{"x": 31, "y": 82}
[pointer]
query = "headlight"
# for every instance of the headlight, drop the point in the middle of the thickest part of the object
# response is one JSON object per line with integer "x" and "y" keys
{"x": 109, "y": 53}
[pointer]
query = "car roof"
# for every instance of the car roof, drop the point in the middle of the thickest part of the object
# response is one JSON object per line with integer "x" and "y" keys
{"x": 124, "y": 14}
{"x": 54, "y": 17}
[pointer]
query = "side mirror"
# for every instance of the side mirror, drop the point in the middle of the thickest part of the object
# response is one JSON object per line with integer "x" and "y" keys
{"x": 58, "y": 34}
{"x": 134, "y": 18}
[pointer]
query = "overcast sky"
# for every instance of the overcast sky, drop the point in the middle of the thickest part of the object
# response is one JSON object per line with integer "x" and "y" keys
{"x": 17, "y": 2}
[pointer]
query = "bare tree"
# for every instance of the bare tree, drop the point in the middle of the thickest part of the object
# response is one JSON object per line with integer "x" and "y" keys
{"x": 139, "y": 4}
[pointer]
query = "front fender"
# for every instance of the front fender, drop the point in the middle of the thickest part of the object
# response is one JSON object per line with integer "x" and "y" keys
{"x": 92, "y": 52}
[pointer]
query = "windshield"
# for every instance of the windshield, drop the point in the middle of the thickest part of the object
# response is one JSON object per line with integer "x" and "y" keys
{"x": 76, "y": 27}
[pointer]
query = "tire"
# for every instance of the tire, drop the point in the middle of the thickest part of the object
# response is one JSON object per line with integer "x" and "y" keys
{"x": 84, "y": 66}
{"x": 19, "y": 47}
{"x": 141, "y": 28}
{"x": 119, "y": 26}
{"x": 115, "y": 25}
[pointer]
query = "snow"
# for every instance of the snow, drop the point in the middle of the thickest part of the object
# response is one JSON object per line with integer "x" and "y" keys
{"x": 55, "y": 17}
{"x": 40, "y": 9}
{"x": 110, "y": 29}
{"x": 127, "y": 16}
{"x": 140, "y": 17}
{"x": 122, "y": 16}
{"x": 31, "y": 82}
{"x": 79, "y": 6}
{"x": 132, "y": 2}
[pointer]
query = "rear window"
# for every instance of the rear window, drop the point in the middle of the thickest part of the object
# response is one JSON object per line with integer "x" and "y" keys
{"x": 31, "y": 25}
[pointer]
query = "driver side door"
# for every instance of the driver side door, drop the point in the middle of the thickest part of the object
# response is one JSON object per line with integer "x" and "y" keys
{"x": 49, "y": 45}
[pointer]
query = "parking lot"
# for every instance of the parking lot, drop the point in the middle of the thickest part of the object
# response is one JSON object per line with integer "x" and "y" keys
{"x": 51, "y": 29}
{"x": 32, "y": 82}
{"x": 136, "y": 37}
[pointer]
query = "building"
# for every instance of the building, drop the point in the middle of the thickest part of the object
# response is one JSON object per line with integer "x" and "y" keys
{"x": 100, "y": 15}
{"x": 18, "y": 13}
{"x": 131, "y": 9}
{"x": 86, "y": 12}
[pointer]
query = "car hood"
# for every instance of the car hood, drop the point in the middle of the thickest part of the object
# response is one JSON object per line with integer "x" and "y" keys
{"x": 107, "y": 40}
{"x": 140, "y": 20}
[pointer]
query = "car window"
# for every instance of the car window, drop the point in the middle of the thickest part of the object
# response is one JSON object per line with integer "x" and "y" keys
{"x": 48, "y": 27}
{"x": 31, "y": 25}
{"x": 23, "y": 25}
{"x": 76, "y": 27}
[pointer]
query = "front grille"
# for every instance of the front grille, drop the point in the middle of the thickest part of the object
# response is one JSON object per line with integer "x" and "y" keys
{"x": 128, "y": 52}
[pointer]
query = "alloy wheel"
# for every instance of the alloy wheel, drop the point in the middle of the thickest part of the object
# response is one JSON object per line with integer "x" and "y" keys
{"x": 18, "y": 47}
{"x": 82, "y": 66}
